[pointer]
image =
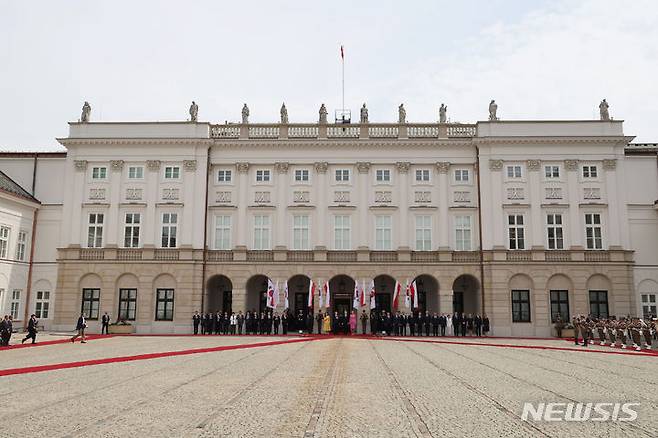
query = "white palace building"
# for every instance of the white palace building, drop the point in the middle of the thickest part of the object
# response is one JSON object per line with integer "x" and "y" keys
{"x": 150, "y": 221}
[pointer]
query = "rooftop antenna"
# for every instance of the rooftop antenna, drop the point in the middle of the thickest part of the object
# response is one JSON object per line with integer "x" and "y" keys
{"x": 343, "y": 115}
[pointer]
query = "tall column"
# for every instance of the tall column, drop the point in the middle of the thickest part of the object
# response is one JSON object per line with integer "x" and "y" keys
{"x": 116, "y": 170}
{"x": 575, "y": 225}
{"x": 403, "y": 233}
{"x": 497, "y": 212}
{"x": 320, "y": 228}
{"x": 443, "y": 202}
{"x": 241, "y": 202}
{"x": 76, "y": 201}
{"x": 151, "y": 198}
{"x": 363, "y": 185}
{"x": 537, "y": 241}
{"x": 281, "y": 182}
{"x": 614, "y": 224}
{"x": 188, "y": 213}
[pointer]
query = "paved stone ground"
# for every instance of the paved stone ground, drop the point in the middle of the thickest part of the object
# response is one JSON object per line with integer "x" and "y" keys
{"x": 337, "y": 387}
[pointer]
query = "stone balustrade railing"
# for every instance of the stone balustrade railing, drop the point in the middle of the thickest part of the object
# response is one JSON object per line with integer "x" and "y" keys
{"x": 343, "y": 131}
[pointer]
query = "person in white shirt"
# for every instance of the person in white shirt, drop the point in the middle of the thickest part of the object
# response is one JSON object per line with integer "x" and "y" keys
{"x": 233, "y": 322}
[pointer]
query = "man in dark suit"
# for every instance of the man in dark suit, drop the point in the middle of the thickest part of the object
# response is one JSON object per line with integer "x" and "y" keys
{"x": 80, "y": 326}
{"x": 442, "y": 324}
{"x": 196, "y": 320}
{"x": 31, "y": 329}
{"x": 319, "y": 318}
{"x": 105, "y": 324}
{"x": 456, "y": 323}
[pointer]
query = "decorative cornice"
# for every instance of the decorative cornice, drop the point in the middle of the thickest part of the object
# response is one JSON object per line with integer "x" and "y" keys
{"x": 571, "y": 165}
{"x": 189, "y": 165}
{"x": 321, "y": 166}
{"x": 495, "y": 164}
{"x": 443, "y": 166}
{"x": 610, "y": 164}
{"x": 403, "y": 166}
{"x": 242, "y": 167}
{"x": 281, "y": 166}
{"x": 153, "y": 165}
{"x": 551, "y": 140}
{"x": 363, "y": 166}
{"x": 343, "y": 142}
{"x": 116, "y": 165}
{"x": 80, "y": 165}
{"x": 533, "y": 165}
{"x": 140, "y": 141}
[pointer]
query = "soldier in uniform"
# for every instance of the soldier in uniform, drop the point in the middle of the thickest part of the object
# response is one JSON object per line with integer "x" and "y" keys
{"x": 621, "y": 332}
{"x": 635, "y": 328}
{"x": 196, "y": 320}
{"x": 600, "y": 328}
{"x": 575, "y": 321}
{"x": 610, "y": 326}
{"x": 646, "y": 332}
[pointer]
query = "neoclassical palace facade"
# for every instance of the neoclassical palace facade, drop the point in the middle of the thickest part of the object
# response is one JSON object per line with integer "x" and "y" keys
{"x": 150, "y": 221}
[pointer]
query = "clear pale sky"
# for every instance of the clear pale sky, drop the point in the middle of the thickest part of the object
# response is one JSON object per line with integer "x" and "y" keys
{"x": 146, "y": 60}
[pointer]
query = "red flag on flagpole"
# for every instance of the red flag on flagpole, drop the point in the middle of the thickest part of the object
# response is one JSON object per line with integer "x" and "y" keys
{"x": 396, "y": 294}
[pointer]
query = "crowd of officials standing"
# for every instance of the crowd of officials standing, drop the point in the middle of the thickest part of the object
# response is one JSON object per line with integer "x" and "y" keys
{"x": 375, "y": 323}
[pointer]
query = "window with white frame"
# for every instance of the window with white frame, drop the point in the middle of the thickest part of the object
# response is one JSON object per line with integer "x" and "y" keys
{"x": 514, "y": 171}
{"x": 263, "y": 175}
{"x": 463, "y": 233}
{"x": 300, "y": 232}
{"x": 383, "y": 175}
{"x": 172, "y": 172}
{"x": 223, "y": 232}
{"x": 95, "y": 230}
{"x": 261, "y": 232}
{"x": 132, "y": 224}
{"x": 593, "y": 231}
{"x": 649, "y": 305}
{"x": 98, "y": 172}
{"x": 423, "y": 233}
{"x": 461, "y": 175}
{"x": 554, "y": 231}
{"x": 590, "y": 171}
{"x": 15, "y": 304}
{"x": 21, "y": 246}
{"x": 301, "y": 175}
{"x": 383, "y": 233}
{"x": 224, "y": 176}
{"x": 42, "y": 304}
{"x": 135, "y": 172}
{"x": 169, "y": 230}
{"x": 516, "y": 231}
{"x": 342, "y": 229}
{"x": 422, "y": 175}
{"x": 552, "y": 172}
{"x": 342, "y": 175}
{"x": 4, "y": 242}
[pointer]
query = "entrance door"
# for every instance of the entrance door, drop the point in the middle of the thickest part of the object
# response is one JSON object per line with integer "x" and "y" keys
{"x": 262, "y": 302}
{"x": 301, "y": 303}
{"x": 383, "y": 302}
{"x": 458, "y": 302}
{"x": 342, "y": 305}
{"x": 227, "y": 301}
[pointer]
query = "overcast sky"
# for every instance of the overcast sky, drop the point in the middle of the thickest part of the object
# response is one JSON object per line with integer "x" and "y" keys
{"x": 146, "y": 60}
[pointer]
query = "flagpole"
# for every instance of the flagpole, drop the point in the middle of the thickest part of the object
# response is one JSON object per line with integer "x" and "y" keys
{"x": 342, "y": 53}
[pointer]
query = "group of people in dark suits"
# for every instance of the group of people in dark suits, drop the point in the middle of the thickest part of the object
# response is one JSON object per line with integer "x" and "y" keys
{"x": 427, "y": 324}
{"x": 251, "y": 323}
{"x": 6, "y": 329}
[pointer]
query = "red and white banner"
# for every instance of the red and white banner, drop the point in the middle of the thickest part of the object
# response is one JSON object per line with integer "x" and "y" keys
{"x": 407, "y": 295}
{"x": 277, "y": 295}
{"x": 356, "y": 301}
{"x": 373, "y": 303}
{"x": 311, "y": 294}
{"x": 363, "y": 293}
{"x": 270, "y": 294}
{"x": 414, "y": 294}
{"x": 397, "y": 290}
{"x": 321, "y": 295}
{"x": 326, "y": 292}
{"x": 285, "y": 295}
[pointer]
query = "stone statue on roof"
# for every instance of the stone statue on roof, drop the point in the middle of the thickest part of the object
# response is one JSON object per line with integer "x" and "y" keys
{"x": 364, "y": 114}
{"x": 284, "y": 114}
{"x": 402, "y": 114}
{"x": 86, "y": 112}
{"x": 443, "y": 110}
{"x": 493, "y": 109}
{"x": 603, "y": 110}
{"x": 323, "y": 114}
{"x": 245, "y": 114}
{"x": 194, "y": 112}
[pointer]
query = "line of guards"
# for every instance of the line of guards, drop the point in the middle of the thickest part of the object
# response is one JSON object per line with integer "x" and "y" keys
{"x": 616, "y": 332}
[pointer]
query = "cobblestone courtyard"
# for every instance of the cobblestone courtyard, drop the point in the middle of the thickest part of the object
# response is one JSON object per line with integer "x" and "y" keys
{"x": 331, "y": 387}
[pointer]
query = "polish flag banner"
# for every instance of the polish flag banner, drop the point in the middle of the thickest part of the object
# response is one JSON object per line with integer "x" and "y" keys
{"x": 356, "y": 301}
{"x": 414, "y": 294}
{"x": 373, "y": 303}
{"x": 270, "y": 294}
{"x": 277, "y": 295}
{"x": 407, "y": 295}
{"x": 325, "y": 289}
{"x": 311, "y": 294}
{"x": 321, "y": 295}
{"x": 396, "y": 294}
{"x": 363, "y": 293}
{"x": 285, "y": 295}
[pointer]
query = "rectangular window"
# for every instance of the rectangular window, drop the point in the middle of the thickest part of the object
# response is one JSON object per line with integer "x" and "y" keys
{"x": 172, "y": 172}
{"x": 383, "y": 175}
{"x": 649, "y": 305}
{"x": 598, "y": 303}
{"x": 127, "y": 304}
{"x": 422, "y": 175}
{"x": 42, "y": 304}
{"x": 95, "y": 230}
{"x": 223, "y": 232}
{"x": 342, "y": 227}
{"x": 514, "y": 171}
{"x": 261, "y": 232}
{"x": 224, "y": 176}
{"x": 21, "y": 246}
{"x": 164, "y": 307}
{"x": 263, "y": 176}
{"x": 131, "y": 230}
{"x": 342, "y": 175}
{"x": 516, "y": 231}
{"x": 169, "y": 229}
{"x": 462, "y": 233}
{"x": 593, "y": 233}
{"x": 590, "y": 172}
{"x": 383, "y": 233}
{"x": 552, "y": 171}
{"x": 555, "y": 234}
{"x": 4, "y": 242}
{"x": 560, "y": 305}
{"x": 98, "y": 172}
{"x": 91, "y": 299}
{"x": 423, "y": 233}
{"x": 300, "y": 232}
{"x": 301, "y": 175}
{"x": 461, "y": 175}
{"x": 135, "y": 172}
{"x": 520, "y": 306}
{"x": 15, "y": 305}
